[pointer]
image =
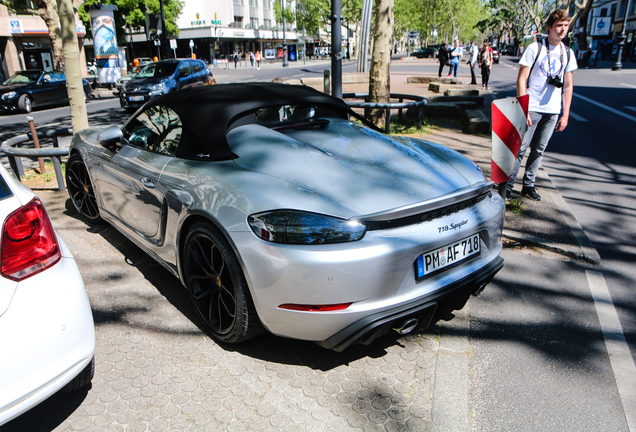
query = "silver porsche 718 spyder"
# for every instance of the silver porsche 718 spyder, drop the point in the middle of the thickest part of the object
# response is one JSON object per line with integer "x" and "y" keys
{"x": 278, "y": 212}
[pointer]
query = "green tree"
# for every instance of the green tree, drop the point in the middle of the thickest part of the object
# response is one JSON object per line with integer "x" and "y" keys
{"x": 131, "y": 14}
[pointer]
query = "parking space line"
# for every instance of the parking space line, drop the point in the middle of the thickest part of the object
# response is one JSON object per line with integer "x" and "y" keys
{"x": 630, "y": 108}
{"x": 610, "y": 109}
{"x": 619, "y": 355}
{"x": 578, "y": 117}
{"x": 628, "y": 85}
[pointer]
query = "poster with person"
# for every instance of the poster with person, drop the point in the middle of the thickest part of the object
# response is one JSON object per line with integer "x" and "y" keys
{"x": 105, "y": 45}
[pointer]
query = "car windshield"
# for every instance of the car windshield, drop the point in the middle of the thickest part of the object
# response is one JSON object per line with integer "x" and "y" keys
{"x": 155, "y": 70}
{"x": 23, "y": 77}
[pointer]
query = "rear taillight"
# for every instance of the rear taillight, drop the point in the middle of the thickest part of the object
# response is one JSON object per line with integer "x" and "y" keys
{"x": 29, "y": 245}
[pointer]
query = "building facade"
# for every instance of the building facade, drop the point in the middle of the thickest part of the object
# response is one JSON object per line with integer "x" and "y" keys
{"x": 24, "y": 41}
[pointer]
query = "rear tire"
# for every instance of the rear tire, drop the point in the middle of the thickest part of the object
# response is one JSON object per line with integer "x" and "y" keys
{"x": 80, "y": 189}
{"x": 83, "y": 379}
{"x": 25, "y": 104}
{"x": 217, "y": 286}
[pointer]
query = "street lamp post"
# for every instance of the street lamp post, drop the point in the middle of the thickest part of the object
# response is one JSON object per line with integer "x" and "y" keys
{"x": 285, "y": 63}
{"x": 618, "y": 65}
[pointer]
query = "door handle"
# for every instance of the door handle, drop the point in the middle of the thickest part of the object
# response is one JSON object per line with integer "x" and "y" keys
{"x": 147, "y": 182}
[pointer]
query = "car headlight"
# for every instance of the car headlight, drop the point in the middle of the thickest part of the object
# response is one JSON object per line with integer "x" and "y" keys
{"x": 300, "y": 227}
{"x": 9, "y": 95}
{"x": 156, "y": 89}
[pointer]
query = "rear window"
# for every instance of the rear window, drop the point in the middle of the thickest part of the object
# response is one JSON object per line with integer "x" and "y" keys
{"x": 282, "y": 115}
{"x": 197, "y": 66}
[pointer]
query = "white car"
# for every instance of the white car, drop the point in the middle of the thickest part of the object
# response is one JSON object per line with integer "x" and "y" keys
{"x": 47, "y": 333}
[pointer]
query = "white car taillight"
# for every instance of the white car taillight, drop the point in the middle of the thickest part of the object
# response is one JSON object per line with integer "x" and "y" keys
{"x": 29, "y": 245}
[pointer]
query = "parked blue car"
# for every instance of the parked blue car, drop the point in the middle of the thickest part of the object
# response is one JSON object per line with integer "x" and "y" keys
{"x": 162, "y": 77}
{"x": 28, "y": 89}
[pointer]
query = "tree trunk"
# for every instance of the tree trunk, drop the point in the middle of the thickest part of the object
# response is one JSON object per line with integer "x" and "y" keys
{"x": 74, "y": 87}
{"x": 379, "y": 77}
{"x": 48, "y": 12}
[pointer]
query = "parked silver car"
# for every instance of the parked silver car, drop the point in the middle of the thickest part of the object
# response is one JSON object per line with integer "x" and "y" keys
{"x": 279, "y": 212}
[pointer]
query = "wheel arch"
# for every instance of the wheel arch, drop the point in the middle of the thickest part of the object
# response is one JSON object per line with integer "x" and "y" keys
{"x": 199, "y": 216}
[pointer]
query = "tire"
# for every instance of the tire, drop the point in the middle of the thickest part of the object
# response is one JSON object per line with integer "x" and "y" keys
{"x": 25, "y": 104}
{"x": 80, "y": 189}
{"x": 83, "y": 379}
{"x": 217, "y": 286}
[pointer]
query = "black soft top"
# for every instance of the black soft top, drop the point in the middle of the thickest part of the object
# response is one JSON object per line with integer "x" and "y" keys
{"x": 208, "y": 112}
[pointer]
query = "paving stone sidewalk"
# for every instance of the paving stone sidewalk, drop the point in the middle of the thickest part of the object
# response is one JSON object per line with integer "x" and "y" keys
{"x": 157, "y": 371}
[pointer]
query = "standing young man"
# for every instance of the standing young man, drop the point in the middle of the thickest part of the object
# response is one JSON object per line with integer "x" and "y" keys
{"x": 474, "y": 53}
{"x": 545, "y": 73}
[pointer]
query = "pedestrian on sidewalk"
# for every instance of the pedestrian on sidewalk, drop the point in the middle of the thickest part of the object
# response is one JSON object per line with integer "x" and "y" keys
{"x": 235, "y": 57}
{"x": 456, "y": 55}
{"x": 545, "y": 73}
{"x": 472, "y": 62}
{"x": 252, "y": 58}
{"x": 258, "y": 60}
{"x": 485, "y": 61}
{"x": 443, "y": 58}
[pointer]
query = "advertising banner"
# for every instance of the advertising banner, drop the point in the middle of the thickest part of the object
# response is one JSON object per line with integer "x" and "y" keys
{"x": 105, "y": 44}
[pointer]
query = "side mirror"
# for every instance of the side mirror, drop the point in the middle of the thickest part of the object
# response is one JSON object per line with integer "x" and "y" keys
{"x": 183, "y": 74}
{"x": 110, "y": 137}
{"x": 44, "y": 81}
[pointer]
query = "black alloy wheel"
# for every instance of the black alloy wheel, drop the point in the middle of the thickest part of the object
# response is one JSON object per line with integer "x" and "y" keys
{"x": 80, "y": 189}
{"x": 217, "y": 286}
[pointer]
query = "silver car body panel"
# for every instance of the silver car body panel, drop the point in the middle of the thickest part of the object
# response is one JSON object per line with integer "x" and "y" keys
{"x": 342, "y": 170}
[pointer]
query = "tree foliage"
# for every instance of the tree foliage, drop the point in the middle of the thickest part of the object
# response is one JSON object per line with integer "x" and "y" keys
{"x": 316, "y": 14}
{"x": 451, "y": 18}
{"x": 131, "y": 14}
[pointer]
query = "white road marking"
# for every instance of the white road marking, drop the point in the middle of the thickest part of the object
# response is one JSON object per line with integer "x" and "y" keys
{"x": 619, "y": 355}
{"x": 578, "y": 117}
{"x": 628, "y": 85}
{"x": 630, "y": 108}
{"x": 610, "y": 109}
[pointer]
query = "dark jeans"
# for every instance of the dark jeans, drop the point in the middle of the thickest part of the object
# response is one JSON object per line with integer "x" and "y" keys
{"x": 485, "y": 75}
{"x": 441, "y": 67}
{"x": 536, "y": 138}
{"x": 473, "y": 79}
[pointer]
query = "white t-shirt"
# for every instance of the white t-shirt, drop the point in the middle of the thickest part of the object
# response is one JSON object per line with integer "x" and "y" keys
{"x": 545, "y": 98}
{"x": 474, "y": 53}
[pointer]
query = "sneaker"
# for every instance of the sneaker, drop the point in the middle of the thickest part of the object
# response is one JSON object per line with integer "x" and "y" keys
{"x": 508, "y": 194}
{"x": 531, "y": 193}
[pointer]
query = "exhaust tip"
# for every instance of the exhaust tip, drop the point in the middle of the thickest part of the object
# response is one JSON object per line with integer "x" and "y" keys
{"x": 407, "y": 326}
{"x": 479, "y": 289}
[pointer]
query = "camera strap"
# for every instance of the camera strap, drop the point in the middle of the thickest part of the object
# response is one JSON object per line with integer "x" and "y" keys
{"x": 547, "y": 47}
{"x": 540, "y": 44}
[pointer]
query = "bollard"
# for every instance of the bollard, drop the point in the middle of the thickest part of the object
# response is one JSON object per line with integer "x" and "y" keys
{"x": 36, "y": 143}
{"x": 327, "y": 82}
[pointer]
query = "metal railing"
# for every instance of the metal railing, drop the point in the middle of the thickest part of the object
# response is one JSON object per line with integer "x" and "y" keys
{"x": 15, "y": 153}
{"x": 419, "y": 103}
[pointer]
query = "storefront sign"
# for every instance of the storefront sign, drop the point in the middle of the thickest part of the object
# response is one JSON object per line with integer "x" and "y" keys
{"x": 16, "y": 26}
{"x": 238, "y": 34}
{"x": 601, "y": 26}
{"x": 197, "y": 23}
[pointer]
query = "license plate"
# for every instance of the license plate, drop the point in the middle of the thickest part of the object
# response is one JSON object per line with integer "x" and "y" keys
{"x": 136, "y": 98}
{"x": 448, "y": 255}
